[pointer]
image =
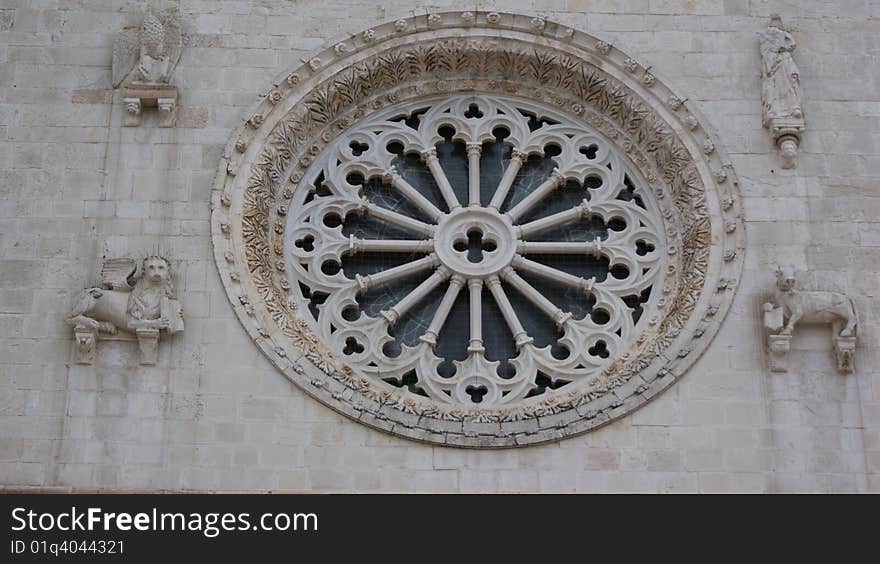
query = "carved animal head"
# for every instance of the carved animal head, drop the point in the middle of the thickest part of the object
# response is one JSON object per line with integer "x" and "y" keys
{"x": 785, "y": 278}
{"x": 156, "y": 270}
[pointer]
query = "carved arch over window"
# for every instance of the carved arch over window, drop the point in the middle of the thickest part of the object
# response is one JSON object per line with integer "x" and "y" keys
{"x": 477, "y": 229}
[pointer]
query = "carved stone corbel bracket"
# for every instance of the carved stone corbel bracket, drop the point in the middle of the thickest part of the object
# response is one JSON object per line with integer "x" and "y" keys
{"x": 148, "y": 344}
{"x": 86, "y": 344}
{"x": 778, "y": 347}
{"x": 844, "y": 349}
{"x": 132, "y": 112}
{"x": 138, "y": 97}
{"x": 778, "y": 344}
{"x": 788, "y": 139}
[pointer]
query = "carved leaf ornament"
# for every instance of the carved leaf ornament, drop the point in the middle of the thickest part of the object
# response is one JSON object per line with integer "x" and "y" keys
{"x": 472, "y": 230}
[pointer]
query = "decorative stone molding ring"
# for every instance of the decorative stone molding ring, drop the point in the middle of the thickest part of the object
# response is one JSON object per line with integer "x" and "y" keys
{"x": 462, "y": 229}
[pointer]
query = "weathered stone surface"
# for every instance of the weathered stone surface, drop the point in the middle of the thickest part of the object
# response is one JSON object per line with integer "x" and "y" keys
{"x": 730, "y": 425}
{"x": 91, "y": 96}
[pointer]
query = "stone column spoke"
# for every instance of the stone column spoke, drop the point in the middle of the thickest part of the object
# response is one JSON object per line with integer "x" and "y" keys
{"x": 556, "y": 219}
{"x": 430, "y": 157}
{"x": 520, "y": 336}
{"x": 357, "y": 245}
{"x": 455, "y": 285}
{"x": 475, "y": 286}
{"x": 473, "y": 153}
{"x": 413, "y": 195}
{"x": 554, "y": 274}
{"x": 560, "y": 247}
{"x": 400, "y": 220}
{"x": 516, "y": 161}
{"x": 371, "y": 280}
{"x": 556, "y": 179}
{"x": 394, "y": 313}
{"x": 536, "y": 297}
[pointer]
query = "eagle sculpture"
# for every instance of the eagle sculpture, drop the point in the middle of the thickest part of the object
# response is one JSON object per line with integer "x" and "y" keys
{"x": 147, "y": 54}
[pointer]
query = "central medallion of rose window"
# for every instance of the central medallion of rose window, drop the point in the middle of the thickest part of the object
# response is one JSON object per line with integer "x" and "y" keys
{"x": 475, "y": 249}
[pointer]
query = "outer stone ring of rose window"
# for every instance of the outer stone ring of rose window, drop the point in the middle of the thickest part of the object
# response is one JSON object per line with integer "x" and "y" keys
{"x": 445, "y": 262}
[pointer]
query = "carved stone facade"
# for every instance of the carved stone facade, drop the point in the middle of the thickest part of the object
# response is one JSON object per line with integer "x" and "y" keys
{"x": 632, "y": 353}
{"x": 135, "y": 301}
{"x": 781, "y": 94}
{"x": 144, "y": 58}
{"x": 272, "y": 154}
{"x": 791, "y": 306}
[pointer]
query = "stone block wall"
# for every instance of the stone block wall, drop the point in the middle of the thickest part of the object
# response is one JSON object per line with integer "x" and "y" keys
{"x": 214, "y": 415}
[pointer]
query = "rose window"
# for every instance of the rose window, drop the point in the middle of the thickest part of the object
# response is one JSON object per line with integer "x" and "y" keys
{"x": 477, "y": 229}
{"x": 475, "y": 249}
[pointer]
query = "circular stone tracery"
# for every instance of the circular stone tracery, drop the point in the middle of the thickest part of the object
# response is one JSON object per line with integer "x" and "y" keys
{"x": 676, "y": 185}
{"x": 475, "y": 242}
{"x": 532, "y": 217}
